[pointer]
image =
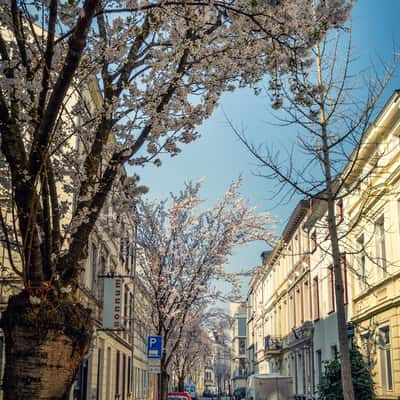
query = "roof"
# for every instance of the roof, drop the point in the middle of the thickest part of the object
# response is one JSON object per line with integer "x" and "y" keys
{"x": 359, "y": 156}
{"x": 295, "y": 219}
{"x": 318, "y": 209}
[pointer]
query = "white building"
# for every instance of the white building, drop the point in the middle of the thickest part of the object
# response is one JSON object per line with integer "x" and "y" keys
{"x": 238, "y": 315}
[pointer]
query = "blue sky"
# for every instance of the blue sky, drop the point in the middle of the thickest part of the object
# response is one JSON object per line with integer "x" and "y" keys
{"x": 220, "y": 158}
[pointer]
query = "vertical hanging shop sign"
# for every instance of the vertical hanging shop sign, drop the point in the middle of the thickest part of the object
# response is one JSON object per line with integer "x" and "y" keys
{"x": 112, "y": 303}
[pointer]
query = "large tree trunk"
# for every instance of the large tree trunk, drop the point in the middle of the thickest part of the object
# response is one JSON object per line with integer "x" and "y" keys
{"x": 181, "y": 383}
{"x": 164, "y": 383}
{"x": 347, "y": 381}
{"x": 45, "y": 345}
{"x": 345, "y": 362}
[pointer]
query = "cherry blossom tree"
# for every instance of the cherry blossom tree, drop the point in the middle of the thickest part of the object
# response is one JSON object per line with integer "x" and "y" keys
{"x": 186, "y": 250}
{"x": 191, "y": 353}
{"x": 204, "y": 338}
{"x": 85, "y": 87}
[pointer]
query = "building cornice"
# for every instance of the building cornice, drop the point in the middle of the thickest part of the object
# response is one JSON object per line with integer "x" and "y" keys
{"x": 368, "y": 144}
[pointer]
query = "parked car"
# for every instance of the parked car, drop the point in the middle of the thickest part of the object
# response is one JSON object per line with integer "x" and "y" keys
{"x": 178, "y": 396}
{"x": 239, "y": 393}
{"x": 207, "y": 393}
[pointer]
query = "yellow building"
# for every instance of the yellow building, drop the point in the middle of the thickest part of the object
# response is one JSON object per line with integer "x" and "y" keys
{"x": 374, "y": 209}
{"x": 281, "y": 309}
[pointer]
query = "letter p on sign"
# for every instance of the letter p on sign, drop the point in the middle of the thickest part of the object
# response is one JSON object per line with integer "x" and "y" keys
{"x": 154, "y": 347}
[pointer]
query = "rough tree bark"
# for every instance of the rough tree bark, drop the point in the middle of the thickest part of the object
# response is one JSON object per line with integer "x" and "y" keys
{"x": 347, "y": 381}
{"x": 45, "y": 344}
{"x": 164, "y": 379}
{"x": 181, "y": 383}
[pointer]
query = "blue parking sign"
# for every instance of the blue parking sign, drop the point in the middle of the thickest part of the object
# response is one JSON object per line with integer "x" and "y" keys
{"x": 154, "y": 346}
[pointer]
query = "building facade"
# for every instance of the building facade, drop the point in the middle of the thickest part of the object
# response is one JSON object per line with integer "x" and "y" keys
{"x": 116, "y": 365}
{"x": 292, "y": 302}
{"x": 374, "y": 209}
{"x": 239, "y": 364}
{"x": 250, "y": 329}
{"x": 292, "y": 320}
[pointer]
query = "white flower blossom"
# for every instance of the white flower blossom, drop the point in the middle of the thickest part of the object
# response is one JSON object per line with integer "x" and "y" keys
{"x": 66, "y": 289}
{"x": 34, "y": 300}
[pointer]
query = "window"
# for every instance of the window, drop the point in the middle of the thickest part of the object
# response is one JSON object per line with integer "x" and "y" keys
{"x": 299, "y": 308}
{"x": 284, "y": 318}
{"x": 99, "y": 374}
{"x": 307, "y": 302}
{"x": 293, "y": 368}
{"x": 131, "y": 302}
{"x": 313, "y": 241}
{"x": 143, "y": 382}
{"x": 300, "y": 373}
{"x": 340, "y": 213}
{"x": 123, "y": 375}
{"x": 102, "y": 269}
{"x": 361, "y": 262}
{"x": 132, "y": 253}
{"x": 82, "y": 279}
{"x": 319, "y": 364}
{"x": 331, "y": 284}
{"x": 331, "y": 290}
{"x": 127, "y": 253}
{"x": 126, "y": 308}
{"x": 334, "y": 351}
{"x": 385, "y": 358}
{"x": 242, "y": 346}
{"x": 129, "y": 376}
{"x": 117, "y": 366}
{"x": 93, "y": 265}
{"x": 380, "y": 246}
{"x": 290, "y": 254}
{"x": 366, "y": 348}
{"x": 122, "y": 240}
{"x": 108, "y": 372}
{"x": 278, "y": 321}
{"x": 1, "y": 357}
{"x": 316, "y": 298}
{"x": 242, "y": 367}
{"x": 81, "y": 387}
{"x": 241, "y": 326}
{"x": 343, "y": 264}
{"x": 292, "y": 311}
{"x": 136, "y": 380}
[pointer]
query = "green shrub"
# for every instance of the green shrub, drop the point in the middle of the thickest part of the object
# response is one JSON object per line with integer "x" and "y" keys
{"x": 330, "y": 387}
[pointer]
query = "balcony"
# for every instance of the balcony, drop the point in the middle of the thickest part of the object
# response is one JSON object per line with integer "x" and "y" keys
{"x": 272, "y": 345}
{"x": 301, "y": 334}
{"x": 239, "y": 373}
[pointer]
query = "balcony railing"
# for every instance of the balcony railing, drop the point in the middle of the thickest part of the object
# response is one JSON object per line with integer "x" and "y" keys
{"x": 272, "y": 344}
{"x": 239, "y": 373}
